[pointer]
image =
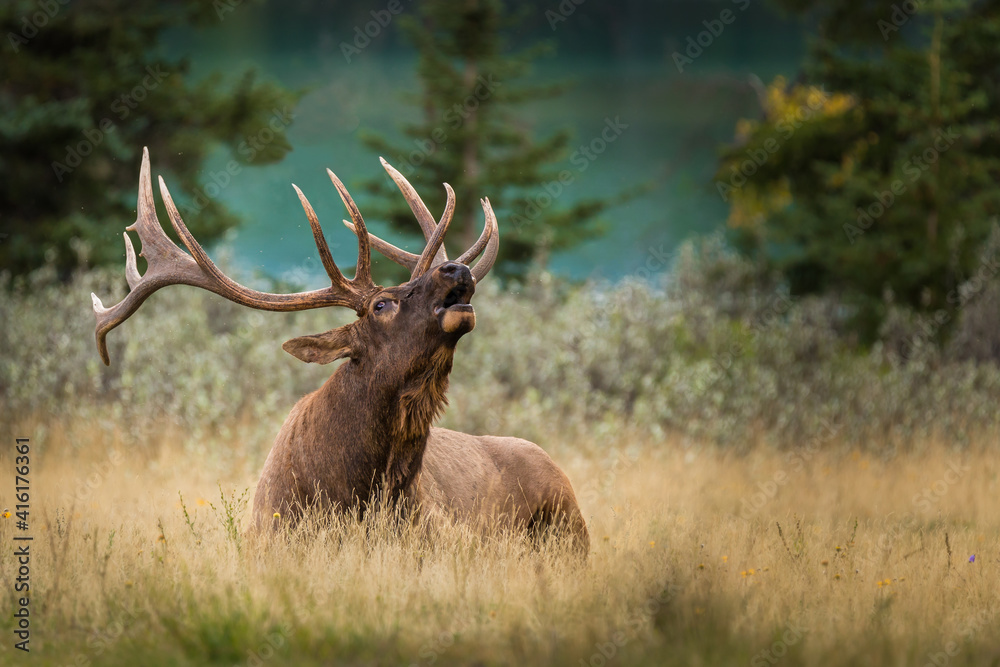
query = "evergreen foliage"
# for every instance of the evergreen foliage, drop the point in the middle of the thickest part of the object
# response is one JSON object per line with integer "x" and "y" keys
{"x": 875, "y": 177}
{"x": 86, "y": 86}
{"x": 470, "y": 137}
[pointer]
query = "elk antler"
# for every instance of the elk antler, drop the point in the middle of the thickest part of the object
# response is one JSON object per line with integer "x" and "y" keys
{"x": 434, "y": 253}
{"x": 169, "y": 265}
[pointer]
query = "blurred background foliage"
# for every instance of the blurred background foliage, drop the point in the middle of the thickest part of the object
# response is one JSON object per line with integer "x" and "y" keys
{"x": 843, "y": 205}
{"x": 85, "y": 86}
{"x": 875, "y": 175}
{"x": 464, "y": 55}
{"x": 714, "y": 352}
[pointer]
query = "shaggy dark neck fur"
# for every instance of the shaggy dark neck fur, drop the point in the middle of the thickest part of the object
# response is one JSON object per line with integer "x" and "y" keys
{"x": 378, "y": 421}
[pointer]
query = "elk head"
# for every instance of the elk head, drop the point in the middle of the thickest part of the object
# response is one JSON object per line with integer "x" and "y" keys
{"x": 395, "y": 325}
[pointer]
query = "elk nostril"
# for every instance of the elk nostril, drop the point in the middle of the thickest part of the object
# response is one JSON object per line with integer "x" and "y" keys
{"x": 455, "y": 271}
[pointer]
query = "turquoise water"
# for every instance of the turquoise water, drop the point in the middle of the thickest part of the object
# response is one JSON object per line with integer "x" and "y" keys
{"x": 675, "y": 124}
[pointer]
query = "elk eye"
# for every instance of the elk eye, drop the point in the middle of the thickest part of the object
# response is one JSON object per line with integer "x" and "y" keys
{"x": 379, "y": 306}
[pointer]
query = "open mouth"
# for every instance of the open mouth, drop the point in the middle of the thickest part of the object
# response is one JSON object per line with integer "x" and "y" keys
{"x": 455, "y": 313}
{"x": 456, "y": 299}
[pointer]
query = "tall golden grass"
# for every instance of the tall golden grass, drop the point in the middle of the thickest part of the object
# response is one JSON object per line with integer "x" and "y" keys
{"x": 759, "y": 490}
{"x": 700, "y": 555}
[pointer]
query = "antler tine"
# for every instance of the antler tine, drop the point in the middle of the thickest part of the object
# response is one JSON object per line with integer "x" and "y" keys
{"x": 434, "y": 243}
{"x": 485, "y": 263}
{"x": 336, "y": 277}
{"x": 449, "y": 211}
{"x": 472, "y": 253}
{"x": 155, "y": 245}
{"x": 389, "y": 251}
{"x": 489, "y": 240}
{"x": 402, "y": 257}
{"x": 419, "y": 208}
{"x": 363, "y": 273}
{"x": 216, "y": 281}
{"x": 167, "y": 264}
{"x": 429, "y": 256}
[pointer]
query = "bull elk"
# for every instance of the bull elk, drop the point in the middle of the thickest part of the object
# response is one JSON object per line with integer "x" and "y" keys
{"x": 367, "y": 433}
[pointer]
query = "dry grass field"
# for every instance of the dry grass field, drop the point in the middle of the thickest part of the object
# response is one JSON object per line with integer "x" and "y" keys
{"x": 699, "y": 556}
{"x": 759, "y": 491}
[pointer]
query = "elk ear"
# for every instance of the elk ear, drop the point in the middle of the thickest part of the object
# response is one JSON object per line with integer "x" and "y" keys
{"x": 321, "y": 348}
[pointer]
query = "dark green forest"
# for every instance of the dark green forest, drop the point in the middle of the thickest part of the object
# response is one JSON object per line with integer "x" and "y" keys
{"x": 866, "y": 169}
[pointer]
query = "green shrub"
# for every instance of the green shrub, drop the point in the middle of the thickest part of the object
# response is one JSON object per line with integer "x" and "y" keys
{"x": 715, "y": 353}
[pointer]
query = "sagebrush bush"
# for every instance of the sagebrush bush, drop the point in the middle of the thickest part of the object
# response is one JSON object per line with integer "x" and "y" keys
{"x": 716, "y": 352}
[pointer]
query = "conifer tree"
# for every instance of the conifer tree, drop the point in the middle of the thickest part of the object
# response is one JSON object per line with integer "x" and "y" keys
{"x": 84, "y": 88}
{"x": 888, "y": 183}
{"x": 470, "y": 137}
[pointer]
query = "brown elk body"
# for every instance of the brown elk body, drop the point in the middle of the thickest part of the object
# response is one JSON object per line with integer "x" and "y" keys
{"x": 367, "y": 433}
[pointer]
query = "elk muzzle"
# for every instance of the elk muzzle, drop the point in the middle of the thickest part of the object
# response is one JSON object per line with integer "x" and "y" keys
{"x": 454, "y": 310}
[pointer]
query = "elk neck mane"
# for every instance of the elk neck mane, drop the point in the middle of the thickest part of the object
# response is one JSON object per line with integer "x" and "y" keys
{"x": 388, "y": 413}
